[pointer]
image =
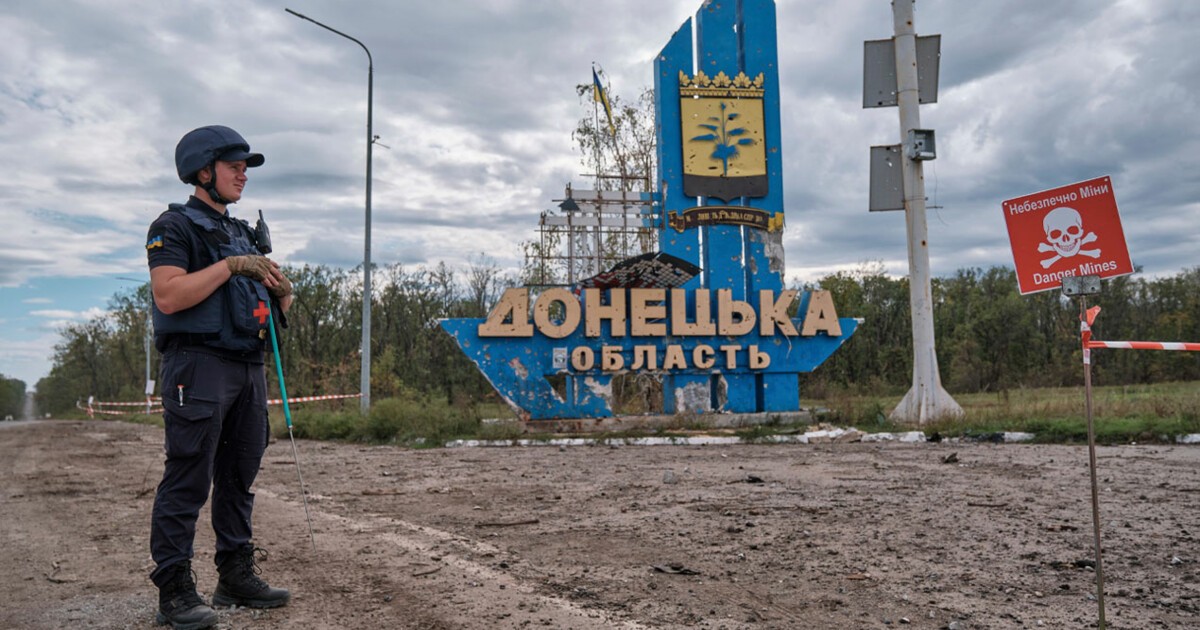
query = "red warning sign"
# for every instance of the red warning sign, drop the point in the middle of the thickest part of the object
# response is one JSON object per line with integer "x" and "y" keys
{"x": 1074, "y": 230}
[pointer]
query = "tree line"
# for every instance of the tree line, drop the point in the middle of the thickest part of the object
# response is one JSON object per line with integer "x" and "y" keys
{"x": 989, "y": 337}
{"x": 12, "y": 397}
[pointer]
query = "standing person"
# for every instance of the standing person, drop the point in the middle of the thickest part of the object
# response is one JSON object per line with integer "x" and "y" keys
{"x": 212, "y": 290}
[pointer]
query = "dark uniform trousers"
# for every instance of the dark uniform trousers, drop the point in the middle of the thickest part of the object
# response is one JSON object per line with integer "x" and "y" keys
{"x": 215, "y": 438}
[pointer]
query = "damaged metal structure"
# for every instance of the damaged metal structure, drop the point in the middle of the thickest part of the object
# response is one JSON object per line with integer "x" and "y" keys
{"x": 708, "y": 313}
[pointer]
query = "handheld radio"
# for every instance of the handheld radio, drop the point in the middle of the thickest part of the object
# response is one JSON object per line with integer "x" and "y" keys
{"x": 262, "y": 235}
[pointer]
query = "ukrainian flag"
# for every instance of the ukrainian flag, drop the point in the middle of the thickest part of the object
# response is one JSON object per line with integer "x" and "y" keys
{"x": 157, "y": 241}
{"x": 599, "y": 95}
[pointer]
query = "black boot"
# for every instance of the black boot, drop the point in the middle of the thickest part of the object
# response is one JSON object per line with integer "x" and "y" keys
{"x": 239, "y": 584}
{"x": 180, "y": 605}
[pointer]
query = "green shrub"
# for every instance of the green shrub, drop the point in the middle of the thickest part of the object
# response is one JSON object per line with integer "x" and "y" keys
{"x": 417, "y": 420}
{"x": 321, "y": 425}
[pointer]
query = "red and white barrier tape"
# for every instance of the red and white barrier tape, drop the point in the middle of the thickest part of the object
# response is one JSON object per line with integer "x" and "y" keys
{"x": 92, "y": 409}
{"x": 1085, "y": 331}
{"x": 279, "y": 401}
{"x": 96, "y": 406}
{"x": 1146, "y": 345}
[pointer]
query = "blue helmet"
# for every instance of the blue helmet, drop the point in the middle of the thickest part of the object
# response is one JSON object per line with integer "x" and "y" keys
{"x": 202, "y": 147}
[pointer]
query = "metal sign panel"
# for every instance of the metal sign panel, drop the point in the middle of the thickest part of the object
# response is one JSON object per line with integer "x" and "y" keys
{"x": 887, "y": 178}
{"x": 879, "y": 71}
{"x": 1073, "y": 230}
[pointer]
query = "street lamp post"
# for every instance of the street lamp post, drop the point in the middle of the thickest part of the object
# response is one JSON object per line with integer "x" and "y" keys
{"x": 366, "y": 309}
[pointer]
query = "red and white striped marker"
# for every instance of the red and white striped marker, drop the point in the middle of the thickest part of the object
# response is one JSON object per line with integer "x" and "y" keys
{"x": 1146, "y": 345}
{"x": 277, "y": 401}
{"x": 97, "y": 406}
{"x": 1085, "y": 331}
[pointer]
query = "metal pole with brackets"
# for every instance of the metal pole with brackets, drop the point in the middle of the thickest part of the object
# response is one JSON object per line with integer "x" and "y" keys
{"x": 891, "y": 77}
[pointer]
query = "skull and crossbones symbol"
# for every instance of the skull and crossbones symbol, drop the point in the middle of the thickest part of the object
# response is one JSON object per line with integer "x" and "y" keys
{"x": 1064, "y": 236}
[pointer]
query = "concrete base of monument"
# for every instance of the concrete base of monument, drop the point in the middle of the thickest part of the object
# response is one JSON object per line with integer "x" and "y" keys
{"x": 663, "y": 422}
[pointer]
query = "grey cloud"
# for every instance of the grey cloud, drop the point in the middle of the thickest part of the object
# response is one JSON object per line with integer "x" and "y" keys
{"x": 456, "y": 84}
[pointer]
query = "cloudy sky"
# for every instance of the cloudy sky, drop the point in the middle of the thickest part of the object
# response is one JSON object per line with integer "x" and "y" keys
{"x": 475, "y": 100}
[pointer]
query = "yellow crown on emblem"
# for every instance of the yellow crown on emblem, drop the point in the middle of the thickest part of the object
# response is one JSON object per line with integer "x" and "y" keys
{"x": 721, "y": 85}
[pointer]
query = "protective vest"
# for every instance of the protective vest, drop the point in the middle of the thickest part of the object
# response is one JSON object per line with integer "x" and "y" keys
{"x": 234, "y": 317}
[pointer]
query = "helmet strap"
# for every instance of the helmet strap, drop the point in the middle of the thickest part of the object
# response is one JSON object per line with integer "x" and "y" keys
{"x": 211, "y": 186}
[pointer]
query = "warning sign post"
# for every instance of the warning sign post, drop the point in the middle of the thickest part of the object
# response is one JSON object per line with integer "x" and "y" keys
{"x": 1073, "y": 230}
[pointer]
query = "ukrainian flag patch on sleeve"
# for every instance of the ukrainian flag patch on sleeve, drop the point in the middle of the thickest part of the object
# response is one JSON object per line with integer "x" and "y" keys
{"x": 155, "y": 241}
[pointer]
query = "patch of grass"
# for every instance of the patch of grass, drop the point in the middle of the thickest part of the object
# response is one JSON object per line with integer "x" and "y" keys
{"x": 153, "y": 419}
{"x": 867, "y": 412}
{"x": 77, "y": 414}
{"x": 503, "y": 430}
{"x": 1124, "y": 413}
{"x": 414, "y": 419}
{"x": 758, "y": 432}
{"x": 418, "y": 421}
{"x": 499, "y": 410}
{"x": 1112, "y": 430}
{"x": 321, "y": 425}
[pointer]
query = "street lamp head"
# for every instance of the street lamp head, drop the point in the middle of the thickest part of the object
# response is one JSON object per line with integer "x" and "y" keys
{"x": 370, "y": 62}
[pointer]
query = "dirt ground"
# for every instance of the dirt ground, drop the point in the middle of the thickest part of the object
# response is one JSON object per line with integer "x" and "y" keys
{"x": 855, "y": 535}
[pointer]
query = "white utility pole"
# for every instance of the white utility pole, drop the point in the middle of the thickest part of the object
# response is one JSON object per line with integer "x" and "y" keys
{"x": 927, "y": 400}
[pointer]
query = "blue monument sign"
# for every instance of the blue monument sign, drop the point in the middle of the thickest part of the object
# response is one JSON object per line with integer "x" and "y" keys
{"x": 708, "y": 313}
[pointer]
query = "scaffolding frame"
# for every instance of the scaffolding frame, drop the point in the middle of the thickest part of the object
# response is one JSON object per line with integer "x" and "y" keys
{"x": 596, "y": 230}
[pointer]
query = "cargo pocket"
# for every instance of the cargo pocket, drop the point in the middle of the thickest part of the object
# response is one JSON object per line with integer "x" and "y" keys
{"x": 187, "y": 426}
{"x": 188, "y": 413}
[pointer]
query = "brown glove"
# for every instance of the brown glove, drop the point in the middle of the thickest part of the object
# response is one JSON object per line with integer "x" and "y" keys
{"x": 257, "y": 267}
{"x": 283, "y": 289}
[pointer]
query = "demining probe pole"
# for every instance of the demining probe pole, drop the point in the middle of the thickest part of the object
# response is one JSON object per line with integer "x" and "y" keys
{"x": 1087, "y": 395}
{"x": 365, "y": 403}
{"x": 287, "y": 416}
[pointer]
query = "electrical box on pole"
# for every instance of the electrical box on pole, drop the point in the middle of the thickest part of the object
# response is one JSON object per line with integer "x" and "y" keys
{"x": 920, "y": 145}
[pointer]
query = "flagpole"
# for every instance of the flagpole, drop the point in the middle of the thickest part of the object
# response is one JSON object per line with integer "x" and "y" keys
{"x": 596, "y": 150}
{"x": 596, "y": 123}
